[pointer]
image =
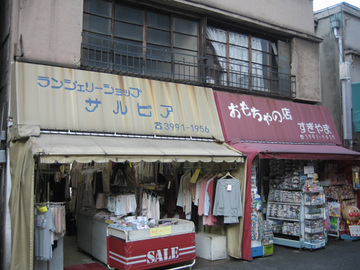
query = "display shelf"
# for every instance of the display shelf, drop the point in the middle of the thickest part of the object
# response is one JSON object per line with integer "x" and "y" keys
{"x": 261, "y": 230}
{"x": 314, "y": 216}
{"x": 338, "y": 195}
{"x": 317, "y": 245}
{"x": 284, "y": 219}
{"x": 314, "y": 207}
{"x": 285, "y": 212}
{"x": 288, "y": 242}
{"x": 286, "y": 203}
{"x": 314, "y": 230}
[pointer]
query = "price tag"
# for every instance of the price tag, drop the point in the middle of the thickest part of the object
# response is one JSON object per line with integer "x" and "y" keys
{"x": 228, "y": 187}
{"x": 160, "y": 231}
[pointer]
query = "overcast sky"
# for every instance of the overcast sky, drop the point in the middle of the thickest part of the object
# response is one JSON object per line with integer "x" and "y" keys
{"x": 320, "y": 4}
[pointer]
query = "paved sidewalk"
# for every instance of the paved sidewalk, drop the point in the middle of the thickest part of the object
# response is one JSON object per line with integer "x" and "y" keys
{"x": 338, "y": 254}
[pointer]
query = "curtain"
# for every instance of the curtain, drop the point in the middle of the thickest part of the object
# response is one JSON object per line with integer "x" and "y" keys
{"x": 218, "y": 41}
{"x": 257, "y": 70}
{"x": 239, "y": 60}
{"x": 21, "y": 205}
{"x": 237, "y": 73}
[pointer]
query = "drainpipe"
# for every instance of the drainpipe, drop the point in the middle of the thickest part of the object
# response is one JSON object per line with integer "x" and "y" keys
{"x": 346, "y": 95}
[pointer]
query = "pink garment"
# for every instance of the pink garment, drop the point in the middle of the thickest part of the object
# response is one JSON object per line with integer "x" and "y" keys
{"x": 202, "y": 197}
{"x": 210, "y": 219}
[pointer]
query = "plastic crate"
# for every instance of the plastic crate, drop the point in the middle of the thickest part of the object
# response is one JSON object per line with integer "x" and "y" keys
{"x": 257, "y": 251}
{"x": 268, "y": 250}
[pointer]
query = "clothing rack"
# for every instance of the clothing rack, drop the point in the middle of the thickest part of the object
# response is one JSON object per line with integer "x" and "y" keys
{"x": 149, "y": 191}
{"x": 49, "y": 203}
{"x": 210, "y": 169}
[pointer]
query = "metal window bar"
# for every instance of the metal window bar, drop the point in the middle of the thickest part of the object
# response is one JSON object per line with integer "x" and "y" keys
{"x": 128, "y": 58}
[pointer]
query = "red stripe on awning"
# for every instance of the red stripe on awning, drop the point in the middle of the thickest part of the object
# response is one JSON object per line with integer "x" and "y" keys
{"x": 298, "y": 151}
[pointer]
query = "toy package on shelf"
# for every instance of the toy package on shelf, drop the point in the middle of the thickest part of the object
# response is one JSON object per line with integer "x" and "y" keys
{"x": 356, "y": 177}
{"x": 266, "y": 233}
{"x": 314, "y": 226}
{"x": 315, "y": 199}
{"x": 334, "y": 209}
{"x": 253, "y": 176}
{"x": 327, "y": 220}
{"x": 255, "y": 202}
{"x": 292, "y": 182}
{"x": 291, "y": 228}
{"x": 339, "y": 192}
{"x": 334, "y": 226}
{"x": 285, "y": 196}
{"x": 314, "y": 213}
{"x": 256, "y": 219}
{"x": 284, "y": 211}
{"x": 311, "y": 186}
{"x": 284, "y": 227}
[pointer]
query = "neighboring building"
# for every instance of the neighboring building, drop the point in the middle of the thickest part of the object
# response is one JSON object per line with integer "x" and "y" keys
{"x": 338, "y": 26}
{"x": 262, "y": 48}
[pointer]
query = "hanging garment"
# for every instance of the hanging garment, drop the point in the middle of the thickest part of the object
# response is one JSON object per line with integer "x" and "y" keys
{"x": 85, "y": 195}
{"x": 180, "y": 195}
{"x": 125, "y": 204}
{"x": 150, "y": 210}
{"x": 184, "y": 199}
{"x": 171, "y": 188}
{"x": 202, "y": 197}
{"x": 102, "y": 200}
{"x": 209, "y": 218}
{"x": 228, "y": 200}
{"x": 157, "y": 209}
{"x": 105, "y": 168}
{"x": 197, "y": 193}
{"x": 60, "y": 221}
{"x": 111, "y": 204}
{"x": 151, "y": 206}
{"x": 144, "y": 204}
{"x": 131, "y": 176}
{"x": 44, "y": 228}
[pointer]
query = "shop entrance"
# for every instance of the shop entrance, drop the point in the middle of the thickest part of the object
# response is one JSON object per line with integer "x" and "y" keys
{"x": 85, "y": 198}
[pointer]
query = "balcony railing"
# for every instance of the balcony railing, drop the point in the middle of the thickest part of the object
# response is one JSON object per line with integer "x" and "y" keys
{"x": 132, "y": 59}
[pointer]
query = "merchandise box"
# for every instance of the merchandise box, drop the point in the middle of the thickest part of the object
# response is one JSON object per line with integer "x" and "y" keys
{"x": 211, "y": 246}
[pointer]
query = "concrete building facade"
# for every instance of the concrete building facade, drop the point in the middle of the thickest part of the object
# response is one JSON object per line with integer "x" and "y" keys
{"x": 260, "y": 47}
{"x": 339, "y": 61}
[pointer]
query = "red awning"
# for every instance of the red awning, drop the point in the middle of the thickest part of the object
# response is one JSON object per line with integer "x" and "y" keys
{"x": 297, "y": 151}
{"x": 276, "y": 129}
{"x": 249, "y": 118}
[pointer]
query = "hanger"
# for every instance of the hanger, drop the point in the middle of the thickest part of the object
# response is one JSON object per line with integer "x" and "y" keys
{"x": 227, "y": 175}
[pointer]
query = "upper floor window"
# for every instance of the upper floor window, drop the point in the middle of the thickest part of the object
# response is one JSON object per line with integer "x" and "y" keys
{"x": 148, "y": 43}
{"x": 135, "y": 40}
{"x": 244, "y": 61}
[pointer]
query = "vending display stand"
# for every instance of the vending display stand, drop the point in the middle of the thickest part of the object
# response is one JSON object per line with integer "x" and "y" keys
{"x": 152, "y": 248}
{"x": 314, "y": 216}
